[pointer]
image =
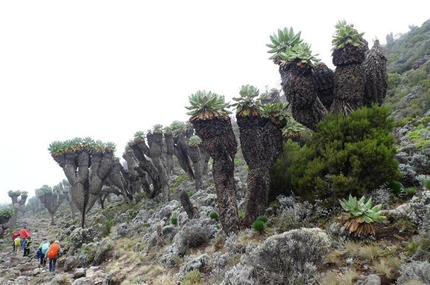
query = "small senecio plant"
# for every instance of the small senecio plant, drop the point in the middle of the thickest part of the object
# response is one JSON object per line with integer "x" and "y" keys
{"x": 359, "y": 215}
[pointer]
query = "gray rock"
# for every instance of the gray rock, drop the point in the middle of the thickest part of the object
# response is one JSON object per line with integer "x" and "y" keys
{"x": 80, "y": 272}
{"x": 70, "y": 263}
{"x": 371, "y": 279}
{"x": 121, "y": 231}
{"x": 104, "y": 246}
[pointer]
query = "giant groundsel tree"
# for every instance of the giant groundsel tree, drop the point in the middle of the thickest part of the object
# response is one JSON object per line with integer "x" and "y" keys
{"x": 87, "y": 165}
{"x": 51, "y": 198}
{"x": 261, "y": 142}
{"x": 210, "y": 118}
{"x": 313, "y": 89}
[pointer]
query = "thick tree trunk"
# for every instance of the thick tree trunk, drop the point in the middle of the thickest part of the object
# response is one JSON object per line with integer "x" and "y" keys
{"x": 258, "y": 192}
{"x": 375, "y": 71}
{"x": 261, "y": 142}
{"x": 141, "y": 152}
{"x": 348, "y": 89}
{"x": 194, "y": 153}
{"x": 155, "y": 154}
{"x": 300, "y": 89}
{"x": 170, "y": 150}
{"x": 181, "y": 153}
{"x": 188, "y": 206}
{"x": 324, "y": 78}
{"x": 349, "y": 78}
{"x": 218, "y": 139}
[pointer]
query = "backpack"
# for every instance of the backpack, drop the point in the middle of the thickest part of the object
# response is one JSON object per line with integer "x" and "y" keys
{"x": 53, "y": 250}
{"x": 45, "y": 247}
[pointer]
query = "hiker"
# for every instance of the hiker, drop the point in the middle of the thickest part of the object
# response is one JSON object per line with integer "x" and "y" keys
{"x": 43, "y": 249}
{"x": 16, "y": 243}
{"x": 28, "y": 242}
{"x": 14, "y": 236}
{"x": 53, "y": 252}
{"x": 24, "y": 233}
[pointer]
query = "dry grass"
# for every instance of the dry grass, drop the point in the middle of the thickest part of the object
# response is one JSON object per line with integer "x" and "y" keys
{"x": 333, "y": 257}
{"x": 383, "y": 268}
{"x": 370, "y": 252}
{"x": 333, "y": 278}
{"x": 414, "y": 282}
{"x": 328, "y": 278}
{"x": 348, "y": 277}
{"x": 352, "y": 248}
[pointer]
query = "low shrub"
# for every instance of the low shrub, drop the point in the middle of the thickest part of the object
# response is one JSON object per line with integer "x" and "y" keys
{"x": 258, "y": 226}
{"x": 214, "y": 215}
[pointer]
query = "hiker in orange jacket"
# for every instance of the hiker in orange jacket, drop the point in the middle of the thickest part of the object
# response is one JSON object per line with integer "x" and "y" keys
{"x": 53, "y": 252}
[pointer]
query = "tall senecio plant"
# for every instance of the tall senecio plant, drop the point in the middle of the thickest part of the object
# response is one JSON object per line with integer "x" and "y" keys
{"x": 261, "y": 142}
{"x": 209, "y": 116}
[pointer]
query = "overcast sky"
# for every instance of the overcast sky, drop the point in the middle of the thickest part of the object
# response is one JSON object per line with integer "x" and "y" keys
{"x": 107, "y": 69}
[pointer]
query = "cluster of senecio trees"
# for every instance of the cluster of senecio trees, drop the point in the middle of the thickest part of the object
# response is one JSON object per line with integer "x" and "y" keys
{"x": 311, "y": 89}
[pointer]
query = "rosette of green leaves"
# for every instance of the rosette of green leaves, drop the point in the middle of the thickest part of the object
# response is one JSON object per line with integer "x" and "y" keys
{"x": 178, "y": 127}
{"x": 207, "y": 105}
{"x": 139, "y": 136}
{"x": 14, "y": 193}
{"x": 277, "y": 112}
{"x": 300, "y": 54}
{"x": 281, "y": 41}
{"x": 157, "y": 128}
{"x": 194, "y": 141}
{"x": 167, "y": 130}
{"x": 292, "y": 128}
{"x": 362, "y": 209}
{"x": 359, "y": 215}
{"x": 99, "y": 146}
{"x": 247, "y": 104}
{"x": 42, "y": 191}
{"x": 56, "y": 148}
{"x": 110, "y": 147}
{"x": 345, "y": 35}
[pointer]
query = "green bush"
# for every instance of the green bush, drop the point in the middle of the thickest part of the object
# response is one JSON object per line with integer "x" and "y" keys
{"x": 258, "y": 226}
{"x": 108, "y": 227}
{"x": 280, "y": 177}
{"x": 347, "y": 155}
{"x": 192, "y": 277}
{"x": 5, "y": 213}
{"x": 395, "y": 186}
{"x": 427, "y": 184}
{"x": 214, "y": 215}
{"x": 262, "y": 218}
{"x": 174, "y": 221}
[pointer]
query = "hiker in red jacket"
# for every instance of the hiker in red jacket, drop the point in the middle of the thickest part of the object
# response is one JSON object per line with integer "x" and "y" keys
{"x": 14, "y": 236}
{"x": 23, "y": 234}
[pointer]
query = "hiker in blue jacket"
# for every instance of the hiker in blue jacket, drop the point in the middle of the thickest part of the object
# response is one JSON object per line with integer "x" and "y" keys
{"x": 43, "y": 248}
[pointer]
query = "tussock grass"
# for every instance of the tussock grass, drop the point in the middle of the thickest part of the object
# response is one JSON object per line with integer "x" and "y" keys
{"x": 333, "y": 256}
{"x": 370, "y": 252}
{"x": 348, "y": 277}
{"x": 328, "y": 278}
{"x": 383, "y": 268}
{"x": 352, "y": 249}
